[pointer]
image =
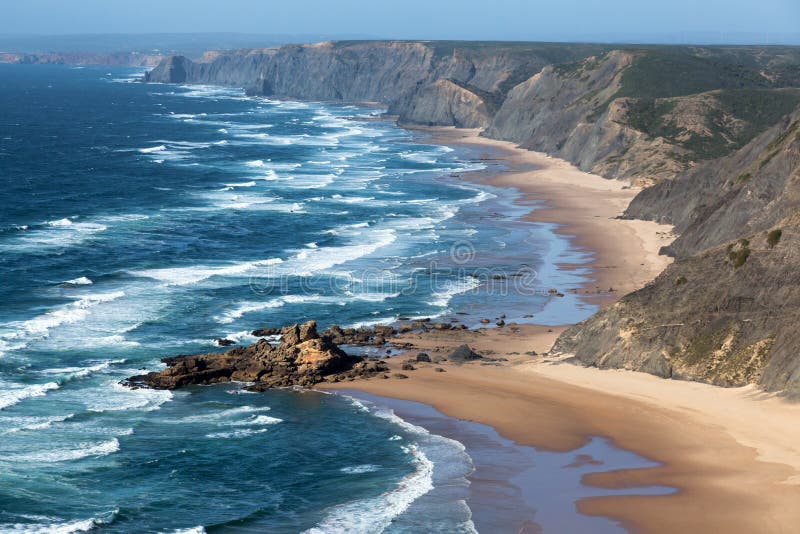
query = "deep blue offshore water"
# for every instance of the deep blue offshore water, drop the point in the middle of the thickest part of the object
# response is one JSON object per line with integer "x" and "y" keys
{"x": 142, "y": 221}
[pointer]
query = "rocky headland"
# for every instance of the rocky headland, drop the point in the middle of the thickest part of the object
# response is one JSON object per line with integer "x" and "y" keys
{"x": 303, "y": 357}
{"x": 298, "y": 355}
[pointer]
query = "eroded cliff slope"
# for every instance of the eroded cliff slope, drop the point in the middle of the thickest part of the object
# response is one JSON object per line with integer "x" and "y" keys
{"x": 727, "y": 310}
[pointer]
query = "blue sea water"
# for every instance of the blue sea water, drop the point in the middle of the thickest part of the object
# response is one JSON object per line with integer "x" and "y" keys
{"x": 141, "y": 221}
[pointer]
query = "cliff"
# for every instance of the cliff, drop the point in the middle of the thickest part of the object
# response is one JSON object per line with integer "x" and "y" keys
{"x": 642, "y": 114}
{"x": 127, "y": 59}
{"x": 726, "y": 311}
{"x": 715, "y": 132}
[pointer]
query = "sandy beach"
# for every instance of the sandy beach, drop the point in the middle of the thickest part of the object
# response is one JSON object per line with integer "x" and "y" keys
{"x": 732, "y": 454}
{"x": 584, "y": 205}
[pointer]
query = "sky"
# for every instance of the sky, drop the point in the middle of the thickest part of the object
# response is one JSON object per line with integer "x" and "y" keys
{"x": 722, "y": 20}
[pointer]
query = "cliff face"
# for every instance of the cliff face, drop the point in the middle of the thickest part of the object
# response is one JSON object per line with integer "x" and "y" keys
{"x": 706, "y": 319}
{"x": 131, "y": 59}
{"x": 747, "y": 192}
{"x": 589, "y": 104}
{"x": 571, "y": 111}
{"x": 727, "y": 310}
{"x": 428, "y": 84}
{"x": 241, "y": 69}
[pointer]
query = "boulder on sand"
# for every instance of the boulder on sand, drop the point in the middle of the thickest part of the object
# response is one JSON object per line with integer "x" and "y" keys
{"x": 464, "y": 354}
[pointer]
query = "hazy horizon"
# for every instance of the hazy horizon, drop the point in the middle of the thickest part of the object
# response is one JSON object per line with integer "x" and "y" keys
{"x": 679, "y": 22}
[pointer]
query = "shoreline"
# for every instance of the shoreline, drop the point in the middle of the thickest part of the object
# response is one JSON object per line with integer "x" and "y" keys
{"x": 734, "y": 472}
{"x": 504, "y": 490}
{"x": 583, "y": 206}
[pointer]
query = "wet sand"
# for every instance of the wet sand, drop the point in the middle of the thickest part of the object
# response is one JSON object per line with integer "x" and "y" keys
{"x": 726, "y": 481}
{"x": 517, "y": 488}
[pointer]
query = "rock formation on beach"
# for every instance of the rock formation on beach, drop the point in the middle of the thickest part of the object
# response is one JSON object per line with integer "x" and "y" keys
{"x": 710, "y": 131}
{"x": 303, "y": 358}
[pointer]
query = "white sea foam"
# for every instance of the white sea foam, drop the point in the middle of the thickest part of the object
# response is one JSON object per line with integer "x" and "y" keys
{"x": 12, "y": 393}
{"x": 243, "y": 308}
{"x": 258, "y": 420}
{"x": 150, "y": 150}
{"x": 310, "y": 181}
{"x": 80, "y": 450}
{"x": 72, "y": 373}
{"x": 82, "y": 281}
{"x": 359, "y": 469}
{"x": 450, "y": 288}
{"x": 309, "y": 261}
{"x": 420, "y": 157}
{"x": 230, "y": 416}
{"x": 68, "y": 224}
{"x": 52, "y": 526}
{"x": 242, "y": 337}
{"x": 37, "y": 423}
{"x": 210, "y": 91}
{"x": 113, "y": 397}
{"x": 57, "y": 233}
{"x": 256, "y": 164}
{"x": 373, "y": 322}
{"x": 242, "y": 433}
{"x": 375, "y": 514}
{"x": 39, "y": 327}
{"x": 179, "y": 276}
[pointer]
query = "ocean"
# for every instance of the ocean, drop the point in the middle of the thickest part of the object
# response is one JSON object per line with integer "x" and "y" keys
{"x": 142, "y": 221}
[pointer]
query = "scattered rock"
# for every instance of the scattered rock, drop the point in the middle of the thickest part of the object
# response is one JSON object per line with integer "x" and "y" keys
{"x": 266, "y": 332}
{"x": 399, "y": 375}
{"x": 464, "y": 354}
{"x": 423, "y": 357}
{"x": 439, "y": 370}
{"x": 222, "y": 342}
{"x": 408, "y": 367}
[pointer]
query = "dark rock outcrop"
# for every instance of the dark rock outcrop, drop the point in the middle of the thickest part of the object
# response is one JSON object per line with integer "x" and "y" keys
{"x": 377, "y": 335}
{"x": 303, "y": 358}
{"x": 463, "y": 354}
